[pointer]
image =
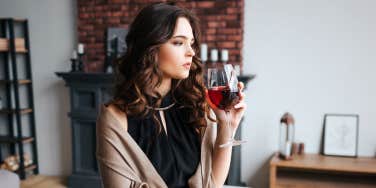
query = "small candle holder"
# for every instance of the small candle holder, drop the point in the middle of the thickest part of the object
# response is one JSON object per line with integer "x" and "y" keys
{"x": 74, "y": 65}
{"x": 80, "y": 62}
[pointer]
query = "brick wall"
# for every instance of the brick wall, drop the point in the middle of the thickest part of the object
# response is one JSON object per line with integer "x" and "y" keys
{"x": 221, "y": 25}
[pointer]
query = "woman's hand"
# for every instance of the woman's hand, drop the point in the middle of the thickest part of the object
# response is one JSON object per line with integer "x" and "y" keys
{"x": 235, "y": 114}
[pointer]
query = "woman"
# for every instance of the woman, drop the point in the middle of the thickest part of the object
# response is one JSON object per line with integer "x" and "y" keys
{"x": 155, "y": 132}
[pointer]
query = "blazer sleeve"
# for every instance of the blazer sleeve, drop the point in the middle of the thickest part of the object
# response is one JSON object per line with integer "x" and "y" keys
{"x": 113, "y": 179}
{"x": 203, "y": 178}
{"x": 113, "y": 168}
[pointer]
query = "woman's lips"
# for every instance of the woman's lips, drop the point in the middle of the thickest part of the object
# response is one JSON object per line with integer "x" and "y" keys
{"x": 187, "y": 65}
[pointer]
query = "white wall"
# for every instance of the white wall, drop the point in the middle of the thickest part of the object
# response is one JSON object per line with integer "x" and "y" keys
{"x": 311, "y": 58}
{"x": 52, "y": 37}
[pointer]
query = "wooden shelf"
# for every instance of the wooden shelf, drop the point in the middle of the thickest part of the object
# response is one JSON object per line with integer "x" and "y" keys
{"x": 311, "y": 180}
{"x": 11, "y": 111}
{"x": 19, "y": 44}
{"x": 27, "y": 168}
{"x": 328, "y": 163}
{"x": 8, "y": 139}
{"x": 314, "y": 170}
{"x": 11, "y": 81}
{"x": 18, "y": 50}
{"x": 14, "y": 19}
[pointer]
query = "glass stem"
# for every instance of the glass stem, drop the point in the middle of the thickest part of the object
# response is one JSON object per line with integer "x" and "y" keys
{"x": 228, "y": 122}
{"x": 231, "y": 141}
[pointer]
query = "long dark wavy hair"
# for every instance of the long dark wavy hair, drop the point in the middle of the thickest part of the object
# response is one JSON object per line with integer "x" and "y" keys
{"x": 137, "y": 72}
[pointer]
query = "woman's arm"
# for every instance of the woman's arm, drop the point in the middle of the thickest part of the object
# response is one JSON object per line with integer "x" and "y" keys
{"x": 221, "y": 156}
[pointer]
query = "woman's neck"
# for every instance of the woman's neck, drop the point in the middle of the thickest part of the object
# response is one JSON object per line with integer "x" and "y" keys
{"x": 165, "y": 86}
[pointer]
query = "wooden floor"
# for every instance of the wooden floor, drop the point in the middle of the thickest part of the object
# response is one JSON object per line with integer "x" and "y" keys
{"x": 41, "y": 181}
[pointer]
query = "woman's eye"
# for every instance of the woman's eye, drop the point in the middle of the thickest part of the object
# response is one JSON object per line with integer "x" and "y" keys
{"x": 178, "y": 43}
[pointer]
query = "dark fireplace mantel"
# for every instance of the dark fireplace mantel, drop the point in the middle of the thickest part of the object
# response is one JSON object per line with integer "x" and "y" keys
{"x": 87, "y": 92}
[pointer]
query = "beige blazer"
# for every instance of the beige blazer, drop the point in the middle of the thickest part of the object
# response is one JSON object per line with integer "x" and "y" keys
{"x": 123, "y": 164}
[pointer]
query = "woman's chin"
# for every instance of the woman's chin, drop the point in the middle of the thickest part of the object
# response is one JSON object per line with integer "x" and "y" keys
{"x": 181, "y": 76}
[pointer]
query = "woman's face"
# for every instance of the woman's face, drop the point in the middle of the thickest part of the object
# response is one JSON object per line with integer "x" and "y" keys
{"x": 175, "y": 56}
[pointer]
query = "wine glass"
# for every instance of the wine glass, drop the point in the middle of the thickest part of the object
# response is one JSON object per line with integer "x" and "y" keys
{"x": 223, "y": 91}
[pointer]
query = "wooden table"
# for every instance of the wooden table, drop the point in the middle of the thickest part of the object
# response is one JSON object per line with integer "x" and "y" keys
{"x": 314, "y": 170}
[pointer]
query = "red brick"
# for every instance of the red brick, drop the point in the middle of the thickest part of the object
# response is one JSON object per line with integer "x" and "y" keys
{"x": 99, "y": 8}
{"x": 210, "y": 38}
{"x": 82, "y": 34}
{"x": 206, "y": 4}
{"x": 97, "y": 14}
{"x": 230, "y": 17}
{"x": 114, "y": 20}
{"x": 98, "y": 21}
{"x": 231, "y": 4}
{"x": 97, "y": 45}
{"x": 117, "y": 14}
{"x": 91, "y": 39}
{"x": 233, "y": 10}
{"x": 234, "y": 51}
{"x": 240, "y": 45}
{"x": 90, "y": 67}
{"x": 229, "y": 31}
{"x": 209, "y": 31}
{"x": 210, "y": 18}
{"x": 232, "y": 58}
{"x": 221, "y": 37}
{"x": 227, "y": 44}
{"x": 87, "y": 27}
{"x": 124, "y": 7}
{"x": 233, "y": 24}
{"x": 89, "y": 9}
{"x": 125, "y": 14}
{"x": 234, "y": 37}
{"x": 241, "y": 3}
{"x": 216, "y": 24}
{"x": 191, "y": 4}
{"x": 116, "y": 1}
{"x": 83, "y": 15}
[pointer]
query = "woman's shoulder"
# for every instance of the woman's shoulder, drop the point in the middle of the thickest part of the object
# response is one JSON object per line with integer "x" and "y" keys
{"x": 110, "y": 112}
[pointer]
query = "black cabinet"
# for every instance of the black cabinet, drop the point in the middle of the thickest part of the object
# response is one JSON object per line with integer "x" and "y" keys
{"x": 87, "y": 92}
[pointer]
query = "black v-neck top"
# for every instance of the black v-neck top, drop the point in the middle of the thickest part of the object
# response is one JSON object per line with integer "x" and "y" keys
{"x": 174, "y": 155}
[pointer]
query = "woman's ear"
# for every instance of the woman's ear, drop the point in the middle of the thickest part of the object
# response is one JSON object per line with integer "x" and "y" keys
{"x": 155, "y": 53}
{"x": 156, "y": 56}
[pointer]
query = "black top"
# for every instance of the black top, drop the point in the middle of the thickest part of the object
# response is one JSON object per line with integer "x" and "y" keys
{"x": 174, "y": 155}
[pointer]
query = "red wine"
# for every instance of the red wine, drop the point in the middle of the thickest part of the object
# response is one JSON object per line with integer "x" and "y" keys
{"x": 223, "y": 98}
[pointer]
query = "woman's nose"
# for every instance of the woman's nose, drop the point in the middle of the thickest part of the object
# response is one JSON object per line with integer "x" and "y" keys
{"x": 190, "y": 51}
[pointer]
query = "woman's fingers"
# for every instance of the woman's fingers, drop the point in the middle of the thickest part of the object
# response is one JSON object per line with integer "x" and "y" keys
{"x": 240, "y": 86}
{"x": 240, "y": 105}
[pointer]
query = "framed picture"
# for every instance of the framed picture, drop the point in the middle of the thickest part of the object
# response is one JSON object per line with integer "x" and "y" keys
{"x": 115, "y": 46}
{"x": 341, "y": 135}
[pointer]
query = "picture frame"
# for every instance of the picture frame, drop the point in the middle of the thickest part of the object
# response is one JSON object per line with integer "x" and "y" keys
{"x": 341, "y": 135}
{"x": 115, "y": 46}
